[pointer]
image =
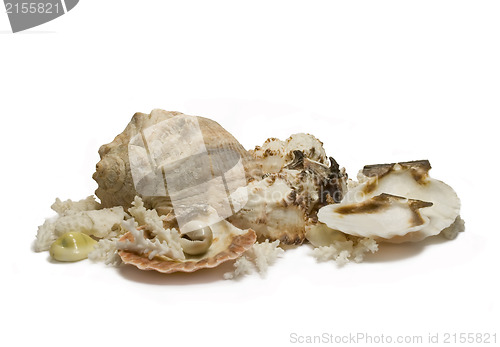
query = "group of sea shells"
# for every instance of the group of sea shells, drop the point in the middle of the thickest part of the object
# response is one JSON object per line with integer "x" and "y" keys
{"x": 180, "y": 193}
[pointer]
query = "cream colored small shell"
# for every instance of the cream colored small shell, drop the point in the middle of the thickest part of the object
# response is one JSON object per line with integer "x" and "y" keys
{"x": 72, "y": 246}
{"x": 197, "y": 239}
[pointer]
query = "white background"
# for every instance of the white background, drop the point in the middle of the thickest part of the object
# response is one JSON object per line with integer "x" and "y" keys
{"x": 376, "y": 81}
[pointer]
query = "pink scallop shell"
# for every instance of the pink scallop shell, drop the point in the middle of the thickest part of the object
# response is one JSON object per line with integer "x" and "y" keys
{"x": 239, "y": 245}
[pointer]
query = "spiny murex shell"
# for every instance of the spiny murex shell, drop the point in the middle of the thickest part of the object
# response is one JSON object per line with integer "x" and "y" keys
{"x": 169, "y": 158}
{"x": 291, "y": 180}
{"x": 395, "y": 202}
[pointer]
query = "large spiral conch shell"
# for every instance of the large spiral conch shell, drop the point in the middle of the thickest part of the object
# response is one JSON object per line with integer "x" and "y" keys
{"x": 172, "y": 161}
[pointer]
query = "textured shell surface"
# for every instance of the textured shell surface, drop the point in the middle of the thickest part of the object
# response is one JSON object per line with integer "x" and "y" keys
{"x": 272, "y": 211}
{"x": 292, "y": 179}
{"x": 408, "y": 180}
{"x": 310, "y": 146}
{"x": 270, "y": 157}
{"x": 275, "y": 154}
{"x": 171, "y": 160}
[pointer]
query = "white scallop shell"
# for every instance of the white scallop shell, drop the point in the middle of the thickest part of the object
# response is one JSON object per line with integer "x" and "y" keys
{"x": 408, "y": 180}
{"x": 382, "y": 216}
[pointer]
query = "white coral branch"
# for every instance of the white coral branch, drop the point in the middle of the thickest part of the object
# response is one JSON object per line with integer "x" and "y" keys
{"x": 344, "y": 251}
{"x": 256, "y": 259}
{"x": 67, "y": 207}
{"x": 143, "y": 245}
{"x": 107, "y": 252}
{"x": 45, "y": 235}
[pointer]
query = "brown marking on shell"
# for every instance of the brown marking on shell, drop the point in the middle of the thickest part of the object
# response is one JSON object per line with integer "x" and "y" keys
{"x": 330, "y": 180}
{"x": 374, "y": 205}
{"x": 334, "y": 185}
{"x": 382, "y": 202}
{"x": 268, "y": 152}
{"x": 271, "y": 179}
{"x": 419, "y": 170}
{"x": 269, "y": 140}
{"x": 377, "y": 170}
{"x": 239, "y": 245}
{"x": 330, "y": 200}
{"x": 257, "y": 189}
{"x": 293, "y": 239}
{"x": 415, "y": 205}
{"x": 297, "y": 161}
{"x": 302, "y": 202}
{"x": 261, "y": 220}
{"x": 291, "y": 198}
{"x": 371, "y": 185}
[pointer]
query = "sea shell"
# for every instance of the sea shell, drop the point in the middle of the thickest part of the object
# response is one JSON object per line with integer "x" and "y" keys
{"x": 272, "y": 211}
{"x": 172, "y": 160}
{"x": 382, "y": 216}
{"x": 228, "y": 243}
{"x": 296, "y": 180}
{"x": 198, "y": 239}
{"x": 72, "y": 246}
{"x": 431, "y": 204}
{"x": 319, "y": 235}
{"x": 275, "y": 154}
